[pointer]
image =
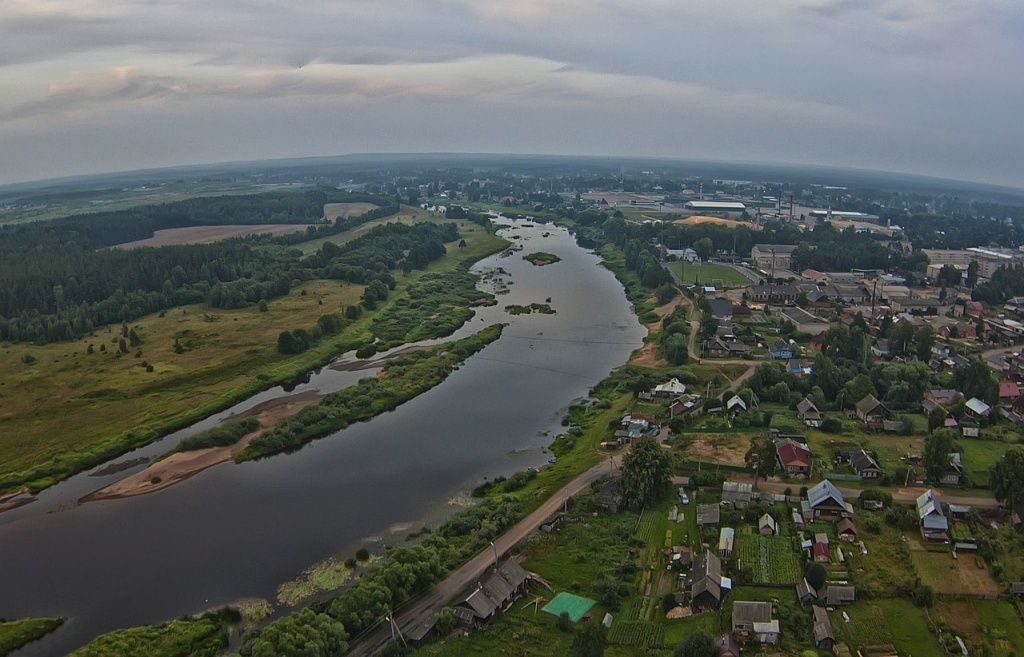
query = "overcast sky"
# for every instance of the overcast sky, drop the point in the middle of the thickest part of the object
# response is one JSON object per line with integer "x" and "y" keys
{"x": 921, "y": 86}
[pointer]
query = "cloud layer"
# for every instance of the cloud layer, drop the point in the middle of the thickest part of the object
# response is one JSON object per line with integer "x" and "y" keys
{"x": 909, "y": 85}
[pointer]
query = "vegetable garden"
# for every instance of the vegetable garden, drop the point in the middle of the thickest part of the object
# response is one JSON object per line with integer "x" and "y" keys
{"x": 771, "y": 559}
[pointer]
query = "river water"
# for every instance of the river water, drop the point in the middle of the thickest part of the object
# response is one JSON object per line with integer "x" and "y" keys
{"x": 238, "y": 531}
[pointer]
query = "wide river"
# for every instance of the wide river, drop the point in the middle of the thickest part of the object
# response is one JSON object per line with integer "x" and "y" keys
{"x": 238, "y": 531}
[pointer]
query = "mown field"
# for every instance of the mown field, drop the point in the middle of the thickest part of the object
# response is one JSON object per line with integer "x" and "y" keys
{"x": 709, "y": 274}
{"x": 225, "y": 356}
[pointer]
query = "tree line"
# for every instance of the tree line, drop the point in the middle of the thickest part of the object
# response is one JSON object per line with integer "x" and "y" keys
{"x": 55, "y": 286}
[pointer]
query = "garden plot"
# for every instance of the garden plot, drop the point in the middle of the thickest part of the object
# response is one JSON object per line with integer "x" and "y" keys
{"x": 948, "y": 575}
{"x": 771, "y": 559}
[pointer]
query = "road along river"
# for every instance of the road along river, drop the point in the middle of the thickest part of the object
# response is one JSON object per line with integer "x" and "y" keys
{"x": 237, "y": 531}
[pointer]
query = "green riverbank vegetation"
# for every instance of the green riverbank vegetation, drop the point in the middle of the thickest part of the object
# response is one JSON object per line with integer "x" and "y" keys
{"x": 226, "y": 434}
{"x": 18, "y": 633}
{"x": 188, "y": 362}
{"x": 403, "y": 378}
{"x": 199, "y": 636}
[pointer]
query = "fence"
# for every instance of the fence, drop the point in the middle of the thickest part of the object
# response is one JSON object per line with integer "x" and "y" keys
{"x": 844, "y": 477}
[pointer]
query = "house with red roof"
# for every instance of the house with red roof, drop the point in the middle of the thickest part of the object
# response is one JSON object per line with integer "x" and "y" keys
{"x": 1008, "y": 391}
{"x": 794, "y": 457}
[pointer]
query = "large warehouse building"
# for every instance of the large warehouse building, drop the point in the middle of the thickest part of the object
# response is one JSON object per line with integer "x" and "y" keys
{"x": 715, "y": 207}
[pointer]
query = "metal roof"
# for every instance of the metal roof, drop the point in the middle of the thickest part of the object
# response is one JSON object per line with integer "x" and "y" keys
{"x": 751, "y": 612}
{"x": 824, "y": 491}
{"x": 715, "y": 205}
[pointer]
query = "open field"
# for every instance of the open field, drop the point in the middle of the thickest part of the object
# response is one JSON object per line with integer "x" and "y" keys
{"x": 334, "y": 210}
{"x": 227, "y": 356}
{"x": 208, "y": 234}
{"x": 709, "y": 274}
{"x": 407, "y": 215}
{"x": 50, "y": 208}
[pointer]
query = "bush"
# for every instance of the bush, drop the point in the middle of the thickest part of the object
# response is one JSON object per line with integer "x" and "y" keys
{"x": 228, "y": 433}
{"x": 518, "y": 480}
{"x": 831, "y": 425}
{"x": 366, "y": 351}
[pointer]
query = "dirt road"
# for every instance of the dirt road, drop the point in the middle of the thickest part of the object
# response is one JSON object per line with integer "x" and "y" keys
{"x": 898, "y": 495}
{"x": 421, "y": 609}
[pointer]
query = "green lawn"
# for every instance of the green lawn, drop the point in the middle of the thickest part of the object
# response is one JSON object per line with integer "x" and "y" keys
{"x": 1002, "y": 628}
{"x": 980, "y": 455}
{"x": 886, "y": 621}
{"x": 709, "y": 274}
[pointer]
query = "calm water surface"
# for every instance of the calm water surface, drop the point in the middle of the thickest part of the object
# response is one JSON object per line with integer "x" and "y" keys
{"x": 238, "y": 531}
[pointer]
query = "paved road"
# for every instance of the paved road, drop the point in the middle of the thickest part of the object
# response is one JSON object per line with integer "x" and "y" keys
{"x": 422, "y": 608}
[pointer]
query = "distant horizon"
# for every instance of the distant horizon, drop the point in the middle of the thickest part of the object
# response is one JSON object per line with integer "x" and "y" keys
{"x": 878, "y": 85}
{"x": 455, "y": 156}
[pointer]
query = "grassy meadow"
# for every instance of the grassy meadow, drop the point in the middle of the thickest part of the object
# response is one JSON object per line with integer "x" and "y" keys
{"x": 70, "y": 402}
{"x": 15, "y": 634}
{"x": 709, "y": 274}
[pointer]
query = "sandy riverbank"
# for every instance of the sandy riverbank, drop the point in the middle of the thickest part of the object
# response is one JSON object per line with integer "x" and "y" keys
{"x": 179, "y": 466}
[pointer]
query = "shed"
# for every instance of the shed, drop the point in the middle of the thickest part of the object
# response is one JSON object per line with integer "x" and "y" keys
{"x": 840, "y": 595}
{"x": 804, "y": 592}
{"x": 708, "y": 515}
{"x": 767, "y": 632}
{"x": 745, "y": 614}
{"x": 737, "y": 493}
{"x": 846, "y": 530}
{"x": 726, "y": 541}
{"x": 766, "y": 526}
{"x": 824, "y": 637}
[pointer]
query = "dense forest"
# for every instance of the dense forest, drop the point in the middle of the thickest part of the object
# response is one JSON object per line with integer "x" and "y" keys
{"x": 59, "y": 282}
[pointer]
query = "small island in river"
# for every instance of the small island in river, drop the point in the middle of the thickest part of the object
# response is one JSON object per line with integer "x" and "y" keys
{"x": 540, "y": 258}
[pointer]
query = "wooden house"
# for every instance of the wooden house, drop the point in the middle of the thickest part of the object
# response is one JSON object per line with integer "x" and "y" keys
{"x": 808, "y": 413}
{"x": 745, "y": 614}
{"x": 706, "y": 588}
